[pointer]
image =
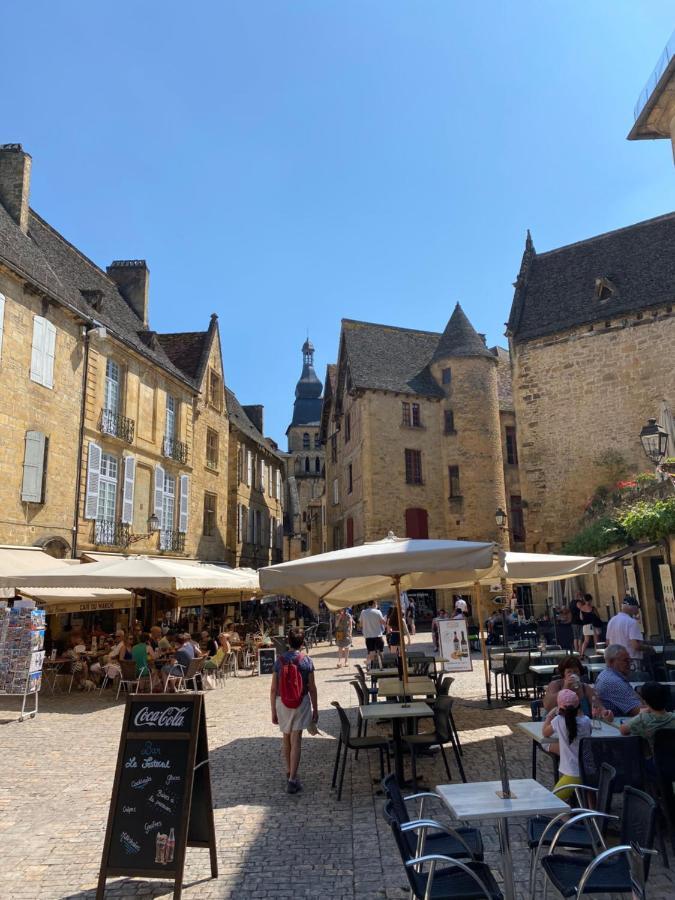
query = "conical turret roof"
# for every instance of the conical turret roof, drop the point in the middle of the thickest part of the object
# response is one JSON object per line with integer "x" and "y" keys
{"x": 460, "y": 338}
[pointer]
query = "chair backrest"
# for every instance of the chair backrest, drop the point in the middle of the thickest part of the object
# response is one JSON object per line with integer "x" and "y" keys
{"x": 638, "y": 821}
{"x": 639, "y": 675}
{"x": 359, "y": 669}
{"x": 359, "y": 692}
{"x": 443, "y": 686}
{"x": 396, "y": 802}
{"x": 416, "y": 881}
{"x": 389, "y": 660}
{"x": 664, "y": 753}
{"x": 624, "y": 754}
{"x": 128, "y": 667}
{"x": 345, "y": 726}
{"x": 195, "y": 667}
{"x": 420, "y": 667}
{"x": 442, "y": 710}
{"x": 536, "y": 707}
{"x": 605, "y": 790}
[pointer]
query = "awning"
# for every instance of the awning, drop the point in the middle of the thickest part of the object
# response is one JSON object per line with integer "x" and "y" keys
{"x": 27, "y": 560}
{"x": 74, "y": 600}
{"x": 633, "y": 550}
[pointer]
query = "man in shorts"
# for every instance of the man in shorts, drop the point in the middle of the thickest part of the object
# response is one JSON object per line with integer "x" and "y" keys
{"x": 292, "y": 721}
{"x": 373, "y": 624}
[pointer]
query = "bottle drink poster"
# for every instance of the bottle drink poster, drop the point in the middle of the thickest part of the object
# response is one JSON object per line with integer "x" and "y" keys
{"x": 454, "y": 645}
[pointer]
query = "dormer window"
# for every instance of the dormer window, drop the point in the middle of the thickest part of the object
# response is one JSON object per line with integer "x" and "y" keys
{"x": 604, "y": 288}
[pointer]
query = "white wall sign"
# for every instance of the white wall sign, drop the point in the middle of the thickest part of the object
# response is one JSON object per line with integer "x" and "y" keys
{"x": 454, "y": 645}
{"x": 668, "y": 596}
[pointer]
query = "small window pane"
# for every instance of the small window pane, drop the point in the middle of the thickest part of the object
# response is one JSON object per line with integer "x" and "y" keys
{"x": 447, "y": 376}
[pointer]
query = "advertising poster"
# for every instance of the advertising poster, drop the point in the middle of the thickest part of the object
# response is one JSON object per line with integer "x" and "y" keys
{"x": 454, "y": 645}
{"x": 631, "y": 582}
{"x": 668, "y": 597}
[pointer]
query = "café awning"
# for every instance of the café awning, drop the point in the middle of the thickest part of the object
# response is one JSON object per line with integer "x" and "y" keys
{"x": 76, "y": 600}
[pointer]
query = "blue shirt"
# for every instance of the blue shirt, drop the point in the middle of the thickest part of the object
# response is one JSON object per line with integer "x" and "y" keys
{"x": 615, "y": 692}
{"x": 185, "y": 655}
{"x": 304, "y": 663}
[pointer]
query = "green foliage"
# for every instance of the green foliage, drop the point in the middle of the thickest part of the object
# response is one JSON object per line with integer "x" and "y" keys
{"x": 645, "y": 520}
{"x": 644, "y": 479}
{"x": 596, "y": 538}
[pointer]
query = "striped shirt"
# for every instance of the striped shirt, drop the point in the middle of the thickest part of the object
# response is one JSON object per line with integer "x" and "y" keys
{"x": 616, "y": 693}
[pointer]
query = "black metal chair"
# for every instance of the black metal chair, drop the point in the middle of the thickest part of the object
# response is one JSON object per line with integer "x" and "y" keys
{"x": 448, "y": 709}
{"x": 364, "y": 700}
{"x": 443, "y": 683}
{"x": 664, "y": 762}
{"x": 441, "y": 735}
{"x": 355, "y": 743}
{"x": 624, "y": 754}
{"x": 536, "y": 707}
{"x": 462, "y": 843}
{"x": 613, "y": 870}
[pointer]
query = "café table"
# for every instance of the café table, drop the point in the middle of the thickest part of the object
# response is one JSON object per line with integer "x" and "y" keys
{"x": 482, "y": 800}
{"x": 535, "y": 730}
{"x": 671, "y": 663}
{"x": 391, "y": 672}
{"x": 417, "y": 686}
{"x": 397, "y": 712}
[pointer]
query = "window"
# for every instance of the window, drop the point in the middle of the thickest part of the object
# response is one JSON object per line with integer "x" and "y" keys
{"x": 407, "y": 419}
{"x": 279, "y": 484}
{"x": 111, "y": 400}
{"x": 413, "y": 466}
{"x": 273, "y": 531}
{"x": 416, "y": 418}
{"x": 350, "y": 533}
{"x": 210, "y": 501}
{"x": 337, "y": 537}
{"x": 307, "y": 464}
{"x": 305, "y": 441}
{"x": 42, "y": 352}
{"x": 317, "y": 441}
{"x": 511, "y": 448}
{"x": 317, "y": 466}
{"x": 516, "y": 517}
{"x": 212, "y": 442}
{"x": 170, "y": 424}
{"x": 240, "y": 464}
{"x": 107, "y": 489}
{"x": 251, "y": 526}
{"x": 258, "y": 528}
{"x": 249, "y": 467}
{"x": 2, "y": 320}
{"x": 416, "y": 523}
{"x": 449, "y": 421}
{"x": 239, "y": 508}
{"x": 350, "y": 480}
{"x": 336, "y": 492}
{"x": 348, "y": 428}
{"x": 453, "y": 477}
{"x": 411, "y": 415}
{"x": 35, "y": 454}
{"x": 168, "y": 506}
{"x": 446, "y": 376}
{"x": 215, "y": 389}
{"x": 271, "y": 482}
{"x": 333, "y": 448}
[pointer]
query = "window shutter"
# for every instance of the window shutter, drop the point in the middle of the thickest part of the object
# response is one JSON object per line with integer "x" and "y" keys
{"x": 263, "y": 476}
{"x": 159, "y": 492}
{"x": 128, "y": 490}
{"x": 251, "y": 526}
{"x": 37, "y": 355}
{"x": 48, "y": 357}
{"x": 33, "y": 467}
{"x": 249, "y": 467}
{"x": 278, "y": 484}
{"x": 2, "y": 320}
{"x": 184, "y": 503}
{"x": 93, "y": 479}
{"x": 244, "y": 524}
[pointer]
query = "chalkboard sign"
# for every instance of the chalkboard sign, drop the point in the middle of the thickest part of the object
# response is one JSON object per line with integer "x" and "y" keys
{"x": 161, "y": 800}
{"x": 266, "y": 658}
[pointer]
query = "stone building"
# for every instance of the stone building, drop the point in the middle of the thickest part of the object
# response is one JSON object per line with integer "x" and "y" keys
{"x": 305, "y": 463}
{"x": 419, "y": 435}
{"x": 256, "y": 489}
{"x": 592, "y": 332}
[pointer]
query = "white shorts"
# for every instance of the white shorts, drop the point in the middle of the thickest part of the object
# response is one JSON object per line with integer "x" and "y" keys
{"x": 294, "y": 719}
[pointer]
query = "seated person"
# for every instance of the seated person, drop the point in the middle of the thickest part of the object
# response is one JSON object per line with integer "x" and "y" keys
{"x": 143, "y": 654}
{"x": 182, "y": 658}
{"x": 651, "y": 719}
{"x": 209, "y": 643}
{"x": 77, "y": 665}
{"x": 570, "y": 674}
{"x": 119, "y": 651}
{"x": 612, "y": 685}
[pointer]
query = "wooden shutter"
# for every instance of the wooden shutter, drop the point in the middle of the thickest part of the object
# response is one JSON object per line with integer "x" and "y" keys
{"x": 278, "y": 484}
{"x": 93, "y": 479}
{"x": 48, "y": 355}
{"x": 2, "y": 320}
{"x": 128, "y": 490}
{"x": 184, "y": 503}
{"x": 159, "y": 492}
{"x": 263, "y": 475}
{"x": 249, "y": 467}
{"x": 37, "y": 353}
{"x": 350, "y": 532}
{"x": 33, "y": 467}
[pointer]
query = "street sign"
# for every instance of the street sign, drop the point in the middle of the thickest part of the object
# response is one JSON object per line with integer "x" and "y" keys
{"x": 161, "y": 799}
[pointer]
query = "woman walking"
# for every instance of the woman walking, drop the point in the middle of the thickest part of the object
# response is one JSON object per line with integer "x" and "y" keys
{"x": 344, "y": 630}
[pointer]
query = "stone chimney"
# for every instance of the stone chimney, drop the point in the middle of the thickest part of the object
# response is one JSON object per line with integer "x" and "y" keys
{"x": 15, "y": 168}
{"x": 255, "y": 414}
{"x": 132, "y": 278}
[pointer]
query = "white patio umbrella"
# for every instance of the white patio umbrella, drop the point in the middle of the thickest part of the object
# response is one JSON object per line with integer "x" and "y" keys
{"x": 667, "y": 422}
{"x": 356, "y": 574}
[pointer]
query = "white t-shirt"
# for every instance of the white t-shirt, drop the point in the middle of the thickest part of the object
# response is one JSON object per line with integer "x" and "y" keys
{"x": 461, "y": 604}
{"x": 622, "y": 629}
{"x": 569, "y": 753}
{"x": 372, "y": 622}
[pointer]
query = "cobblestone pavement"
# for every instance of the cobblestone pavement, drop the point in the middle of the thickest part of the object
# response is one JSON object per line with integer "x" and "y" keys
{"x": 57, "y": 775}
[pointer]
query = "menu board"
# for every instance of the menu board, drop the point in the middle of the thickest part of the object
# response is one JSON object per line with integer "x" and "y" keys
{"x": 454, "y": 645}
{"x": 162, "y": 783}
{"x": 267, "y": 656}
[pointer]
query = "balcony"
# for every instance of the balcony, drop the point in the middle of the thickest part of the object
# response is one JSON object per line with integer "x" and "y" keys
{"x": 172, "y": 540}
{"x": 111, "y": 533}
{"x": 175, "y": 449}
{"x": 117, "y": 426}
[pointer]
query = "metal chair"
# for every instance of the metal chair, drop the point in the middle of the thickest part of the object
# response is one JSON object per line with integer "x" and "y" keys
{"x": 664, "y": 762}
{"x": 612, "y": 871}
{"x": 355, "y": 743}
{"x": 624, "y": 754}
{"x": 442, "y": 734}
{"x": 193, "y": 672}
{"x": 130, "y": 679}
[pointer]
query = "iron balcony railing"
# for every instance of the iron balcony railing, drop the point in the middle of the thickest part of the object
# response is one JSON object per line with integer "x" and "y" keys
{"x": 175, "y": 449}
{"x": 172, "y": 540}
{"x": 111, "y": 533}
{"x": 117, "y": 426}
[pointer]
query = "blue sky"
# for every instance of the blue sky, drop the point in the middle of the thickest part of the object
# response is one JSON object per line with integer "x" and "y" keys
{"x": 288, "y": 163}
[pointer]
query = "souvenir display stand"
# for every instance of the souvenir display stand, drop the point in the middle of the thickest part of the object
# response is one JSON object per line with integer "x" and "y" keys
{"x": 22, "y": 632}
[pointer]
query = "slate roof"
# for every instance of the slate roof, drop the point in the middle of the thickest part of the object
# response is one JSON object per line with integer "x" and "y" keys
{"x": 188, "y": 351}
{"x": 240, "y": 420}
{"x": 58, "y": 268}
{"x": 460, "y": 338}
{"x": 556, "y": 290}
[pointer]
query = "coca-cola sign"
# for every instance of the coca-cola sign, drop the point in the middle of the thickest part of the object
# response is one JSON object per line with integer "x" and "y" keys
{"x": 167, "y": 717}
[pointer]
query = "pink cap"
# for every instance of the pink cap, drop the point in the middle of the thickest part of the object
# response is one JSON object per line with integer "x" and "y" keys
{"x": 566, "y": 698}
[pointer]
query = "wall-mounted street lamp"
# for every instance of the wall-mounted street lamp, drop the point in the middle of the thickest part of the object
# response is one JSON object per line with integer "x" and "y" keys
{"x": 500, "y": 518}
{"x": 153, "y": 528}
{"x": 654, "y": 441}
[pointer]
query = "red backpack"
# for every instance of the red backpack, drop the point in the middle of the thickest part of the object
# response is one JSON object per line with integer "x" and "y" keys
{"x": 291, "y": 687}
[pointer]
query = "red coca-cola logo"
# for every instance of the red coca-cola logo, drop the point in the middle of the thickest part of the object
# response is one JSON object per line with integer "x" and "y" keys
{"x": 167, "y": 717}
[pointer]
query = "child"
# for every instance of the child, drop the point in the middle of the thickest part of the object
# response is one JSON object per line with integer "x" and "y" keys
{"x": 648, "y": 722}
{"x": 569, "y": 725}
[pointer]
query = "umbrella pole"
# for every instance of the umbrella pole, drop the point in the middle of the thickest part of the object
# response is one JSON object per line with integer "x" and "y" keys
{"x": 132, "y": 612}
{"x": 481, "y": 637}
{"x": 399, "y": 611}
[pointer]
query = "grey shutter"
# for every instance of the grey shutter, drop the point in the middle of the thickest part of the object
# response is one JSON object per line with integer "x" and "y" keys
{"x": 48, "y": 355}
{"x": 128, "y": 490}
{"x": 93, "y": 479}
{"x": 37, "y": 354}
{"x": 159, "y": 493}
{"x": 33, "y": 467}
{"x": 2, "y": 320}
{"x": 184, "y": 503}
